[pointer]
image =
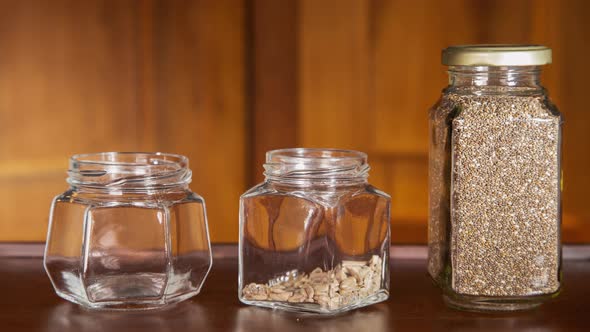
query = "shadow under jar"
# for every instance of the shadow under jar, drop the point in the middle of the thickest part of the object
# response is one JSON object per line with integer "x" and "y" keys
{"x": 129, "y": 233}
{"x": 495, "y": 198}
{"x": 314, "y": 236}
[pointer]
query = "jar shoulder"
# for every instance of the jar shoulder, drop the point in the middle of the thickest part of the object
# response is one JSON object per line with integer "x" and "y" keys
{"x": 74, "y": 196}
{"x": 312, "y": 192}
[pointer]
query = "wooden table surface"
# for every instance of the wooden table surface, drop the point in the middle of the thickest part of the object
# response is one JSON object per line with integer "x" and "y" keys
{"x": 28, "y": 303}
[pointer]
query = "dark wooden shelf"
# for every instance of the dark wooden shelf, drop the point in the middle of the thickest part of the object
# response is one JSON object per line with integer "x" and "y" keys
{"x": 28, "y": 303}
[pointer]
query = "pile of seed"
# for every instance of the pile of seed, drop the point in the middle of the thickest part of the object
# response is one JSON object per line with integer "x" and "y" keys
{"x": 504, "y": 197}
{"x": 344, "y": 285}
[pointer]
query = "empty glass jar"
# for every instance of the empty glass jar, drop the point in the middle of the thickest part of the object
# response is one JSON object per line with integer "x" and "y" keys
{"x": 314, "y": 236}
{"x": 129, "y": 233}
{"x": 495, "y": 199}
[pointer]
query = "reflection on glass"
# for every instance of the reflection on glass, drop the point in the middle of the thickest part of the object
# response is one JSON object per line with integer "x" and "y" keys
{"x": 129, "y": 233}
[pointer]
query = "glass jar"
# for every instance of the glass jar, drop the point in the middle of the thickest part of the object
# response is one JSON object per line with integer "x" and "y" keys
{"x": 129, "y": 233}
{"x": 495, "y": 206}
{"x": 314, "y": 236}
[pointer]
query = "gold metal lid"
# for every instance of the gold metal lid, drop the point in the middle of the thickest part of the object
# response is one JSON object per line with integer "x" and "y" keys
{"x": 496, "y": 55}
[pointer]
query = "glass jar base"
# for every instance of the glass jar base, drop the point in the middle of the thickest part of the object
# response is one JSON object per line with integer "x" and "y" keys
{"x": 127, "y": 305}
{"x": 303, "y": 307}
{"x": 490, "y": 304}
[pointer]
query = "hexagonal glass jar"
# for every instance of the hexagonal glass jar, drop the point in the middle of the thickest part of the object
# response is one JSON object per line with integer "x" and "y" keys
{"x": 129, "y": 233}
{"x": 314, "y": 236}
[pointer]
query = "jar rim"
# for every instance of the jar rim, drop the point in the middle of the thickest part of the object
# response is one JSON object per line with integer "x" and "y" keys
{"x": 108, "y": 158}
{"x": 310, "y": 154}
{"x": 325, "y": 165}
{"x": 130, "y": 170}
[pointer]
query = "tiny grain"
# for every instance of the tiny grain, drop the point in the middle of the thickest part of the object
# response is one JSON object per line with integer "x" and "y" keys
{"x": 504, "y": 194}
{"x": 333, "y": 289}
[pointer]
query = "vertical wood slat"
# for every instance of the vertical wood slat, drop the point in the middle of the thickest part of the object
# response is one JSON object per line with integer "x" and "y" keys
{"x": 146, "y": 76}
{"x": 574, "y": 52}
{"x": 200, "y": 100}
{"x": 409, "y": 37}
{"x": 408, "y": 78}
{"x": 334, "y": 50}
{"x": 275, "y": 102}
{"x": 65, "y": 70}
{"x": 62, "y": 88}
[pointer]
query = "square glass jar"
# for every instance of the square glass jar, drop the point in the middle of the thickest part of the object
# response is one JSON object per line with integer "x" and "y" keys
{"x": 495, "y": 180}
{"x": 315, "y": 235}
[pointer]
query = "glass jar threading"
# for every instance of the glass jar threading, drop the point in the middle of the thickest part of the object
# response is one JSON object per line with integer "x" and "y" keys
{"x": 129, "y": 171}
{"x": 525, "y": 77}
{"x": 301, "y": 166}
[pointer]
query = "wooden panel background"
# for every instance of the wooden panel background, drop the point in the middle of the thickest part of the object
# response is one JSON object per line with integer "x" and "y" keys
{"x": 366, "y": 73}
{"x": 89, "y": 76}
{"x": 224, "y": 81}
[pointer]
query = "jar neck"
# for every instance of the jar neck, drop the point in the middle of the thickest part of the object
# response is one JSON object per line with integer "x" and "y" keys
{"x": 519, "y": 77}
{"x": 129, "y": 172}
{"x": 316, "y": 167}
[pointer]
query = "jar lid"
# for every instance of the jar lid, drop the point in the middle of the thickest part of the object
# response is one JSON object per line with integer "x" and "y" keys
{"x": 496, "y": 55}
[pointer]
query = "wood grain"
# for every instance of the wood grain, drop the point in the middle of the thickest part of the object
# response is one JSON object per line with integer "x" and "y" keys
{"x": 30, "y": 304}
{"x": 88, "y": 76}
{"x": 574, "y": 103}
{"x": 334, "y": 52}
{"x": 66, "y": 67}
{"x": 200, "y": 100}
{"x": 274, "y": 98}
{"x": 370, "y": 71}
{"x": 225, "y": 81}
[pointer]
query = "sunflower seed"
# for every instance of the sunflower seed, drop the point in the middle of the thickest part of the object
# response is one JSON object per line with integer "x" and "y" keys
{"x": 344, "y": 285}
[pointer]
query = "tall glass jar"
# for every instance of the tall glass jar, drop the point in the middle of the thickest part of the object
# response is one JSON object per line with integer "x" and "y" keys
{"x": 314, "y": 236}
{"x": 129, "y": 233}
{"x": 495, "y": 206}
